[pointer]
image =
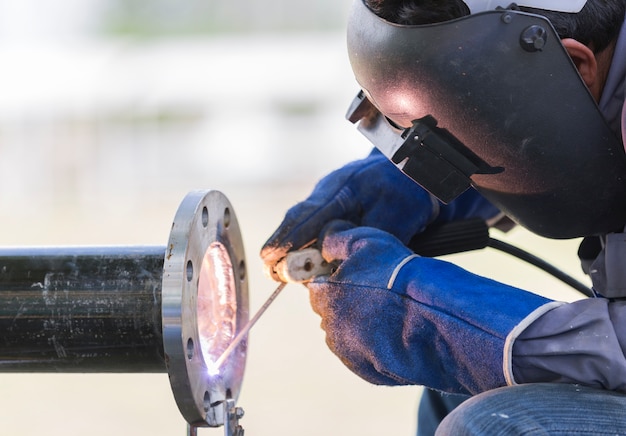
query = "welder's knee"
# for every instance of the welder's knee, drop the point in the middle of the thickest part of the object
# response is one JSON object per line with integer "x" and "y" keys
{"x": 538, "y": 409}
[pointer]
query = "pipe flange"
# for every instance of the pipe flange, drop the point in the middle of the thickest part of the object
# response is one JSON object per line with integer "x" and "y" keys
{"x": 205, "y": 305}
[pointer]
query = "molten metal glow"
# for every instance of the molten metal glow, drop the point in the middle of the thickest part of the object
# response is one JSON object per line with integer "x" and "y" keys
{"x": 217, "y": 304}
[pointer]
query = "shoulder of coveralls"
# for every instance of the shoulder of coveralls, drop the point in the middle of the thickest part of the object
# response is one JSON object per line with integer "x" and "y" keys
{"x": 612, "y": 104}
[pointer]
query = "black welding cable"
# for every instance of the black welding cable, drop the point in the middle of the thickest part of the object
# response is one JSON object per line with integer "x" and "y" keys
{"x": 473, "y": 234}
{"x": 541, "y": 264}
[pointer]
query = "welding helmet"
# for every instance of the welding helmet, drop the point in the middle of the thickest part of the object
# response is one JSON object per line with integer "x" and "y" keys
{"x": 490, "y": 100}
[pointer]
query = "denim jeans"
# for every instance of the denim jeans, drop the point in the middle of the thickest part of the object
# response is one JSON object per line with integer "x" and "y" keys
{"x": 539, "y": 409}
{"x": 434, "y": 406}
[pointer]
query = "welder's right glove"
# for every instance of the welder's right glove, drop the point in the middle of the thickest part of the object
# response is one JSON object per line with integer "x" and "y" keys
{"x": 369, "y": 192}
{"x": 395, "y": 318}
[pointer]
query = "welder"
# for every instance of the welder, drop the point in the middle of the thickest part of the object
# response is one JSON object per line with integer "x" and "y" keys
{"x": 490, "y": 110}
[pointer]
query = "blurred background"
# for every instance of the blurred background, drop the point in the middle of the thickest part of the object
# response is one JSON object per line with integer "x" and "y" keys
{"x": 112, "y": 110}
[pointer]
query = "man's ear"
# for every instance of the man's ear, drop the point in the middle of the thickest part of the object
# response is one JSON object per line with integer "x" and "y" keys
{"x": 585, "y": 62}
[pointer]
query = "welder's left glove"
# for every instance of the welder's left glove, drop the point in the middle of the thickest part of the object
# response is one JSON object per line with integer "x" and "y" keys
{"x": 369, "y": 192}
{"x": 395, "y": 318}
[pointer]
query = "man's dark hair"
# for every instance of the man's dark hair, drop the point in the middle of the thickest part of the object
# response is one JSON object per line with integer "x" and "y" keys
{"x": 596, "y": 25}
{"x": 418, "y": 11}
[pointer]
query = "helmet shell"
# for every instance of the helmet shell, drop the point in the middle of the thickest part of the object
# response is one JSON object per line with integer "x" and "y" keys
{"x": 517, "y": 103}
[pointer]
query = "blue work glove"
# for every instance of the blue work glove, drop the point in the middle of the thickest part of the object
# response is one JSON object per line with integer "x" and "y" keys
{"x": 395, "y": 318}
{"x": 369, "y": 192}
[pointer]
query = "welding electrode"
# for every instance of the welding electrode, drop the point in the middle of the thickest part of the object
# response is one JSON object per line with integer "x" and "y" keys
{"x": 244, "y": 331}
{"x": 297, "y": 267}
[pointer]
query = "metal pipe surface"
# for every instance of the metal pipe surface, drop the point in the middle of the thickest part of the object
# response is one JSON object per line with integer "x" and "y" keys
{"x": 136, "y": 308}
{"x": 81, "y": 309}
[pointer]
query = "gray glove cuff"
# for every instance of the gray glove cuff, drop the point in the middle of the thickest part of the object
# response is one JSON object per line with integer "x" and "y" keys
{"x": 507, "y": 360}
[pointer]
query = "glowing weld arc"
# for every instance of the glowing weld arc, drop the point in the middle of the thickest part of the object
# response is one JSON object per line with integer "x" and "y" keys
{"x": 215, "y": 367}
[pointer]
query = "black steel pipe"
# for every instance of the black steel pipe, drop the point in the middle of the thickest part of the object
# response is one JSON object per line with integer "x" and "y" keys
{"x": 81, "y": 309}
{"x": 136, "y": 308}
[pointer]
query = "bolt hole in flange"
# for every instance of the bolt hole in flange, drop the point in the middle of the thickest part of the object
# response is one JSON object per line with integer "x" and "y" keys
{"x": 227, "y": 217}
{"x": 242, "y": 270}
{"x": 205, "y": 217}
{"x": 205, "y": 304}
{"x": 189, "y": 271}
{"x": 190, "y": 348}
{"x": 207, "y": 401}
